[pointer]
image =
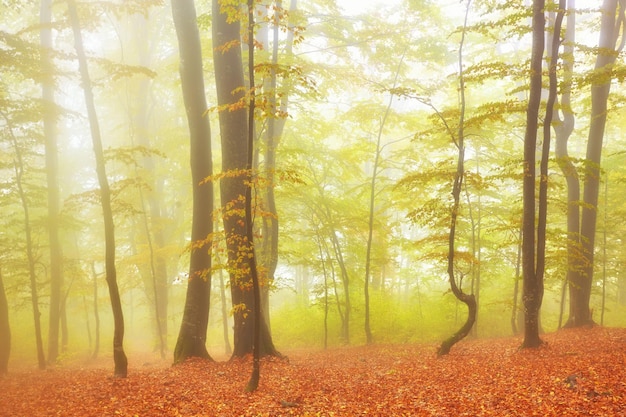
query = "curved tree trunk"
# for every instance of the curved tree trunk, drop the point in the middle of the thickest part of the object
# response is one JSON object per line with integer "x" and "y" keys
{"x": 119, "y": 357}
{"x": 468, "y": 299}
{"x": 192, "y": 336}
{"x": 563, "y": 128}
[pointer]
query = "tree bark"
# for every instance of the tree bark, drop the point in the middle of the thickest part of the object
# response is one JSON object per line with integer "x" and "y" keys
{"x": 192, "y": 336}
{"x": 532, "y": 288}
{"x": 119, "y": 357}
{"x": 468, "y": 299}
{"x": 230, "y": 87}
{"x": 610, "y": 29}
{"x": 563, "y": 128}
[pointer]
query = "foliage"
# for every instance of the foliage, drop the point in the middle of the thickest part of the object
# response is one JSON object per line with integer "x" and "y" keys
{"x": 581, "y": 373}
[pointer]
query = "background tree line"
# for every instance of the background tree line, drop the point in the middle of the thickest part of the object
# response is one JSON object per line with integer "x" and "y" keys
{"x": 356, "y": 137}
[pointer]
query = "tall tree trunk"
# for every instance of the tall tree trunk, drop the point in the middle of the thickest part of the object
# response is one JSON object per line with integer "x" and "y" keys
{"x": 468, "y": 299}
{"x": 275, "y": 126}
{"x": 563, "y": 127}
{"x": 50, "y": 135}
{"x": 532, "y": 295}
{"x": 230, "y": 87}
{"x": 610, "y": 30}
{"x": 192, "y": 336}
{"x": 5, "y": 330}
{"x": 368, "y": 251}
{"x": 119, "y": 357}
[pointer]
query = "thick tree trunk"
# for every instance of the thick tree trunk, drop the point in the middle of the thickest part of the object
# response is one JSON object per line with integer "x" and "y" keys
{"x": 119, "y": 357}
{"x": 50, "y": 134}
{"x": 192, "y": 336}
{"x": 5, "y": 330}
{"x": 230, "y": 87}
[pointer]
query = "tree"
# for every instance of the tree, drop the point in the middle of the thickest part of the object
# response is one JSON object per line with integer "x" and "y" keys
{"x": 534, "y": 240}
{"x": 276, "y": 113}
{"x": 612, "y": 29}
{"x": 119, "y": 357}
{"x": 231, "y": 95}
{"x": 564, "y": 121}
{"x": 50, "y": 134}
{"x": 468, "y": 299}
{"x": 192, "y": 336}
{"x": 29, "y": 242}
{"x": 532, "y": 286}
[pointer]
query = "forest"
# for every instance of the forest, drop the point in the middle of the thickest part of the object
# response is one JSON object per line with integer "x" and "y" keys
{"x": 330, "y": 207}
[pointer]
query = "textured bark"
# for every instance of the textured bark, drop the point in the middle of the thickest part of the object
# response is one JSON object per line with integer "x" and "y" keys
{"x": 230, "y": 87}
{"x": 192, "y": 336}
{"x": 532, "y": 288}
{"x": 119, "y": 357}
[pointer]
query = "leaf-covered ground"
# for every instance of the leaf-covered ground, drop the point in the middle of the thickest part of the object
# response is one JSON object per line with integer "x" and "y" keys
{"x": 578, "y": 373}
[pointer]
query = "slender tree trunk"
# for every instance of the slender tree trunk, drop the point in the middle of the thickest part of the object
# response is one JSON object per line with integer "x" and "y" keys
{"x": 468, "y": 299}
{"x": 345, "y": 280}
{"x": 518, "y": 264}
{"x": 119, "y": 357}
{"x": 96, "y": 313}
{"x": 5, "y": 330}
{"x": 30, "y": 255}
{"x": 50, "y": 134}
{"x": 192, "y": 336}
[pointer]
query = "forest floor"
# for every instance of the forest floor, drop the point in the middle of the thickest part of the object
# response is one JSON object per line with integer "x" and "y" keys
{"x": 577, "y": 373}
